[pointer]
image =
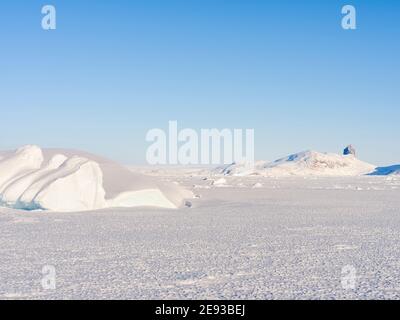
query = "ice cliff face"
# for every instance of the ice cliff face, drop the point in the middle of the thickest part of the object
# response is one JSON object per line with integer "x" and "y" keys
{"x": 31, "y": 178}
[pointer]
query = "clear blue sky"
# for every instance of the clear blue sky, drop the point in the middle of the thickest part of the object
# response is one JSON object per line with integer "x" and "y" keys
{"x": 114, "y": 69}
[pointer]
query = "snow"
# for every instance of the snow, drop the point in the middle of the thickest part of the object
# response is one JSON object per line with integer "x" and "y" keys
{"x": 142, "y": 198}
{"x": 310, "y": 163}
{"x": 23, "y": 161}
{"x": 241, "y": 169}
{"x": 76, "y": 185}
{"x": 285, "y": 230}
{"x": 219, "y": 182}
{"x": 289, "y": 238}
{"x": 306, "y": 163}
{"x": 12, "y": 193}
{"x": 68, "y": 180}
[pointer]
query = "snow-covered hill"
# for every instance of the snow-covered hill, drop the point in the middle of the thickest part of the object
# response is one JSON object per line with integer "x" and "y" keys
{"x": 67, "y": 180}
{"x": 312, "y": 163}
{"x": 307, "y": 163}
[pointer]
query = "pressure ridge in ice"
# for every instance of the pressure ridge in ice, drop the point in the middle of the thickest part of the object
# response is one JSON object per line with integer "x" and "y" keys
{"x": 66, "y": 180}
{"x": 307, "y": 163}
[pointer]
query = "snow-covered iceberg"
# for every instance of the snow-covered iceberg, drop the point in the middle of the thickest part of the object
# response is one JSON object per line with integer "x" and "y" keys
{"x": 313, "y": 163}
{"x": 67, "y": 180}
{"x": 306, "y": 163}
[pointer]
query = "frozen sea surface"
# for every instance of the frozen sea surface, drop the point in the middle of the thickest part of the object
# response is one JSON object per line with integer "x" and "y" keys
{"x": 286, "y": 239}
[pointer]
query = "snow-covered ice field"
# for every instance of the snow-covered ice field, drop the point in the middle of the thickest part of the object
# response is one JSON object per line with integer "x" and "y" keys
{"x": 242, "y": 238}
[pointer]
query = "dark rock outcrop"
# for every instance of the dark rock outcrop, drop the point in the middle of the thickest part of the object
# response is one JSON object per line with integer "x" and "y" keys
{"x": 349, "y": 150}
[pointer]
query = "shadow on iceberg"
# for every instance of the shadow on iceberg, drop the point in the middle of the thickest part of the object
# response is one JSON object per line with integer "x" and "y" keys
{"x": 386, "y": 171}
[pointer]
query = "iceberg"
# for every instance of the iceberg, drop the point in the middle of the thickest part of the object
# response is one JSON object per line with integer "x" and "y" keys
{"x": 67, "y": 180}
